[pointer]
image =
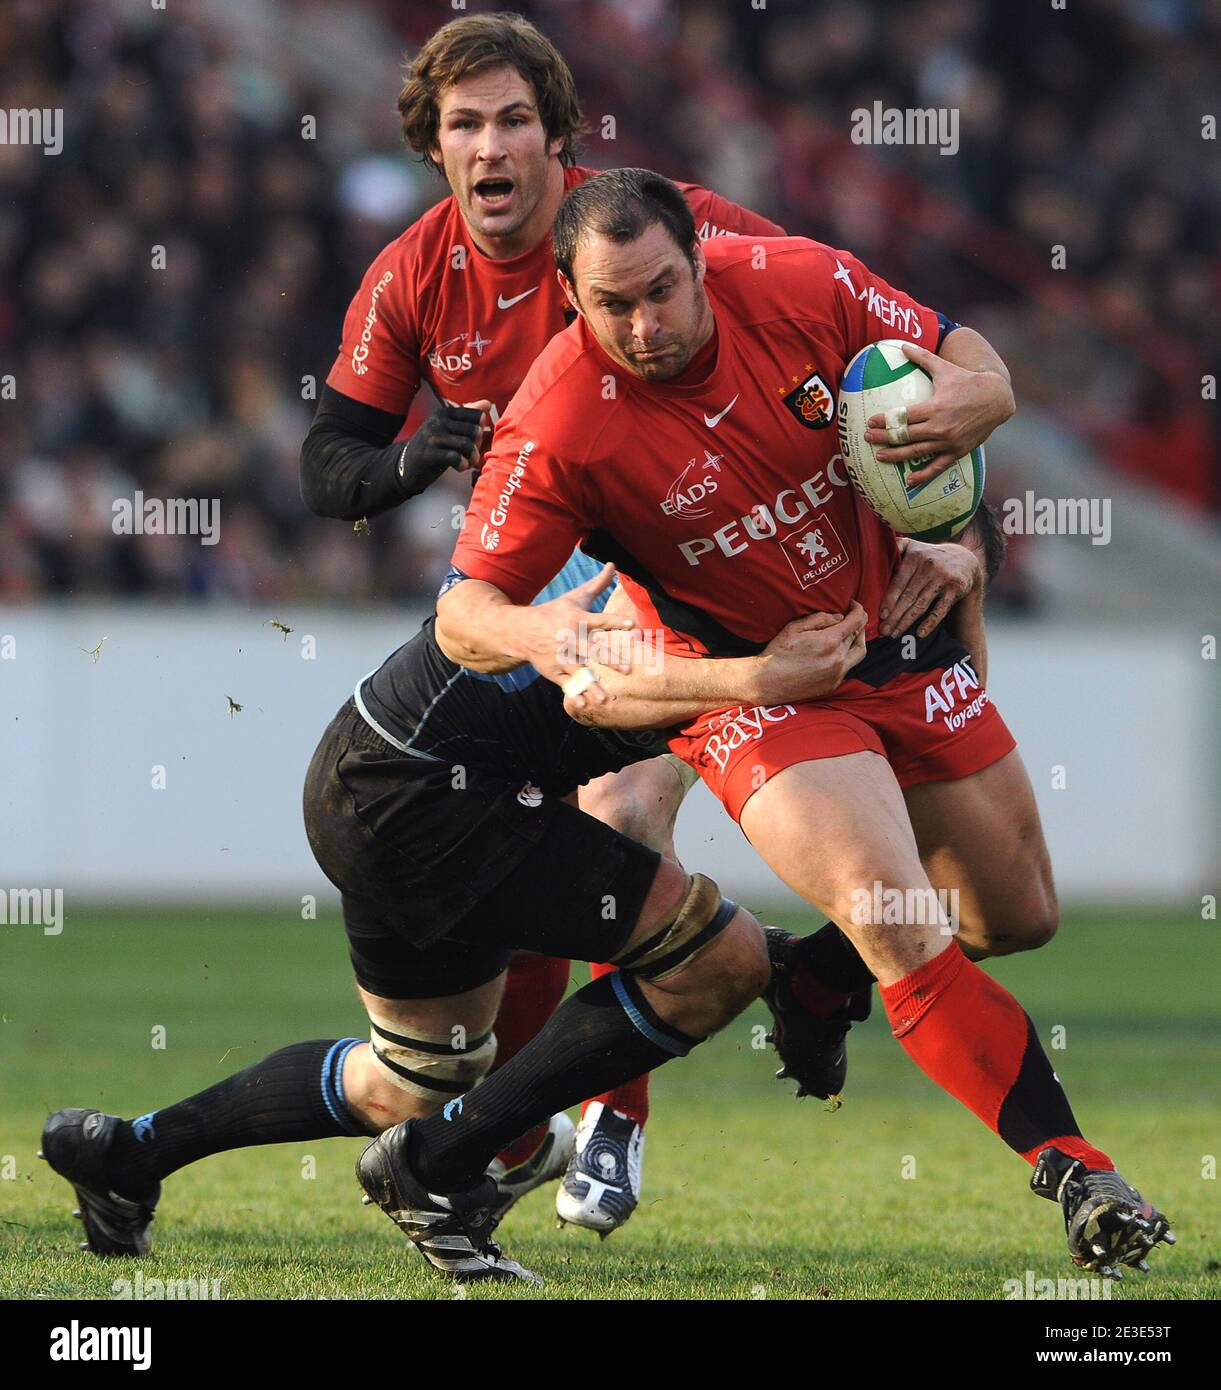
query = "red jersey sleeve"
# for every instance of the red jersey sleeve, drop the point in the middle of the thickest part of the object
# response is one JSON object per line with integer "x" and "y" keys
{"x": 717, "y": 216}
{"x": 379, "y": 353}
{"x": 525, "y": 518}
{"x": 868, "y": 309}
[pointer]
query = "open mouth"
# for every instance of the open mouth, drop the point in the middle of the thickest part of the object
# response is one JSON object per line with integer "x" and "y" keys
{"x": 493, "y": 193}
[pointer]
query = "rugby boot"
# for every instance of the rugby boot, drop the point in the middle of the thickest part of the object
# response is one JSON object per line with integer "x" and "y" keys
{"x": 453, "y": 1231}
{"x": 76, "y": 1144}
{"x": 601, "y": 1188}
{"x": 813, "y": 1050}
{"x": 1108, "y": 1223}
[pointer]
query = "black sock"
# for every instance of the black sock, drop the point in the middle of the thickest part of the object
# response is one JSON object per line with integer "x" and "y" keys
{"x": 834, "y": 961}
{"x": 296, "y": 1093}
{"x": 601, "y": 1036}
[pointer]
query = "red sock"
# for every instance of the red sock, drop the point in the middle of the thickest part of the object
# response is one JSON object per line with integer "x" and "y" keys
{"x": 971, "y": 1036}
{"x": 632, "y": 1097}
{"x": 533, "y": 991}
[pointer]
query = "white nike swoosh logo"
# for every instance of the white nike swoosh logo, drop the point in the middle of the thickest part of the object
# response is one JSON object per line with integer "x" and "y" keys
{"x": 504, "y": 303}
{"x": 712, "y": 421}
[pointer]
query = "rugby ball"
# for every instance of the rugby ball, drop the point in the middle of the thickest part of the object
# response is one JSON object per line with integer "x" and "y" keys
{"x": 879, "y": 377}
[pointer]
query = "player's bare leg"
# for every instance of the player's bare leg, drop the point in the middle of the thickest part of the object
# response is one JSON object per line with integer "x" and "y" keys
{"x": 956, "y": 1023}
{"x": 981, "y": 839}
{"x": 982, "y": 836}
{"x": 863, "y": 836}
{"x": 602, "y": 1186}
{"x": 641, "y": 801}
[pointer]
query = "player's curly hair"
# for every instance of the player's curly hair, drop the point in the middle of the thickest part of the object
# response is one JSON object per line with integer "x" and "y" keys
{"x": 469, "y": 45}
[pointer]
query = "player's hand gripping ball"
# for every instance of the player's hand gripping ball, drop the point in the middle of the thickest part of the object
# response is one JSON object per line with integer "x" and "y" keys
{"x": 881, "y": 379}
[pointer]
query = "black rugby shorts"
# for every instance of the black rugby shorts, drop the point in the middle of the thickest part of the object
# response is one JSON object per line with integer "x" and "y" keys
{"x": 444, "y": 872}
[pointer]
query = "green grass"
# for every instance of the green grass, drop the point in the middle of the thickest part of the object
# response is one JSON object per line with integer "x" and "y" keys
{"x": 747, "y": 1193}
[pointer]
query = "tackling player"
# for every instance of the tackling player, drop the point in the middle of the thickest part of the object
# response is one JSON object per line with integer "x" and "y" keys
{"x": 906, "y": 779}
{"x": 436, "y": 803}
{"x": 464, "y": 301}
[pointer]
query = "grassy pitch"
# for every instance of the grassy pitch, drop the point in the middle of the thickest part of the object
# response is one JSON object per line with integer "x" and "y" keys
{"x": 748, "y": 1194}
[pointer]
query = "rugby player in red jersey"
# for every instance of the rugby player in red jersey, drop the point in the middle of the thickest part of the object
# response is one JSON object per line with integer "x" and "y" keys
{"x": 902, "y": 781}
{"x": 463, "y": 301}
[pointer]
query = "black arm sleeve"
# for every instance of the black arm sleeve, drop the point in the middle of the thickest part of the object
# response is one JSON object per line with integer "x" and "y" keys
{"x": 349, "y": 463}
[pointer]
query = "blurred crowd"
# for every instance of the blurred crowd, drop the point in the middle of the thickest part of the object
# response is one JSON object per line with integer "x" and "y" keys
{"x": 172, "y": 283}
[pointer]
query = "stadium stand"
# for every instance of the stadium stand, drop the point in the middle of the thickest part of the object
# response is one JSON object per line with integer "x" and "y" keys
{"x": 195, "y": 379}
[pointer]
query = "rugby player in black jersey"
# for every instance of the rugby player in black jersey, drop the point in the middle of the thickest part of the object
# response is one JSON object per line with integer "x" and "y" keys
{"x": 441, "y": 804}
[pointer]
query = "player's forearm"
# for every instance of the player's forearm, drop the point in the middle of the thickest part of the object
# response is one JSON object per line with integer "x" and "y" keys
{"x": 983, "y": 537}
{"x": 343, "y": 478}
{"x": 711, "y": 681}
{"x": 643, "y": 712}
{"x": 674, "y": 691}
{"x": 966, "y": 348}
{"x": 475, "y": 628}
{"x": 349, "y": 463}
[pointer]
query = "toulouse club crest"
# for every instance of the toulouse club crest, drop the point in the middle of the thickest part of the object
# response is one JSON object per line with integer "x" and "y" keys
{"x": 812, "y": 403}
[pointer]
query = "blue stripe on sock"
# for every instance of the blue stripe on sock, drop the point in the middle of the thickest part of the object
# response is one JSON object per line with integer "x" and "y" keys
{"x": 666, "y": 1041}
{"x": 332, "y": 1091}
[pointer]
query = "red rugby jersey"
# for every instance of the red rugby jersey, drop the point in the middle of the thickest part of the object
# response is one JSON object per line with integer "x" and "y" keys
{"x": 725, "y": 500}
{"x": 434, "y": 308}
